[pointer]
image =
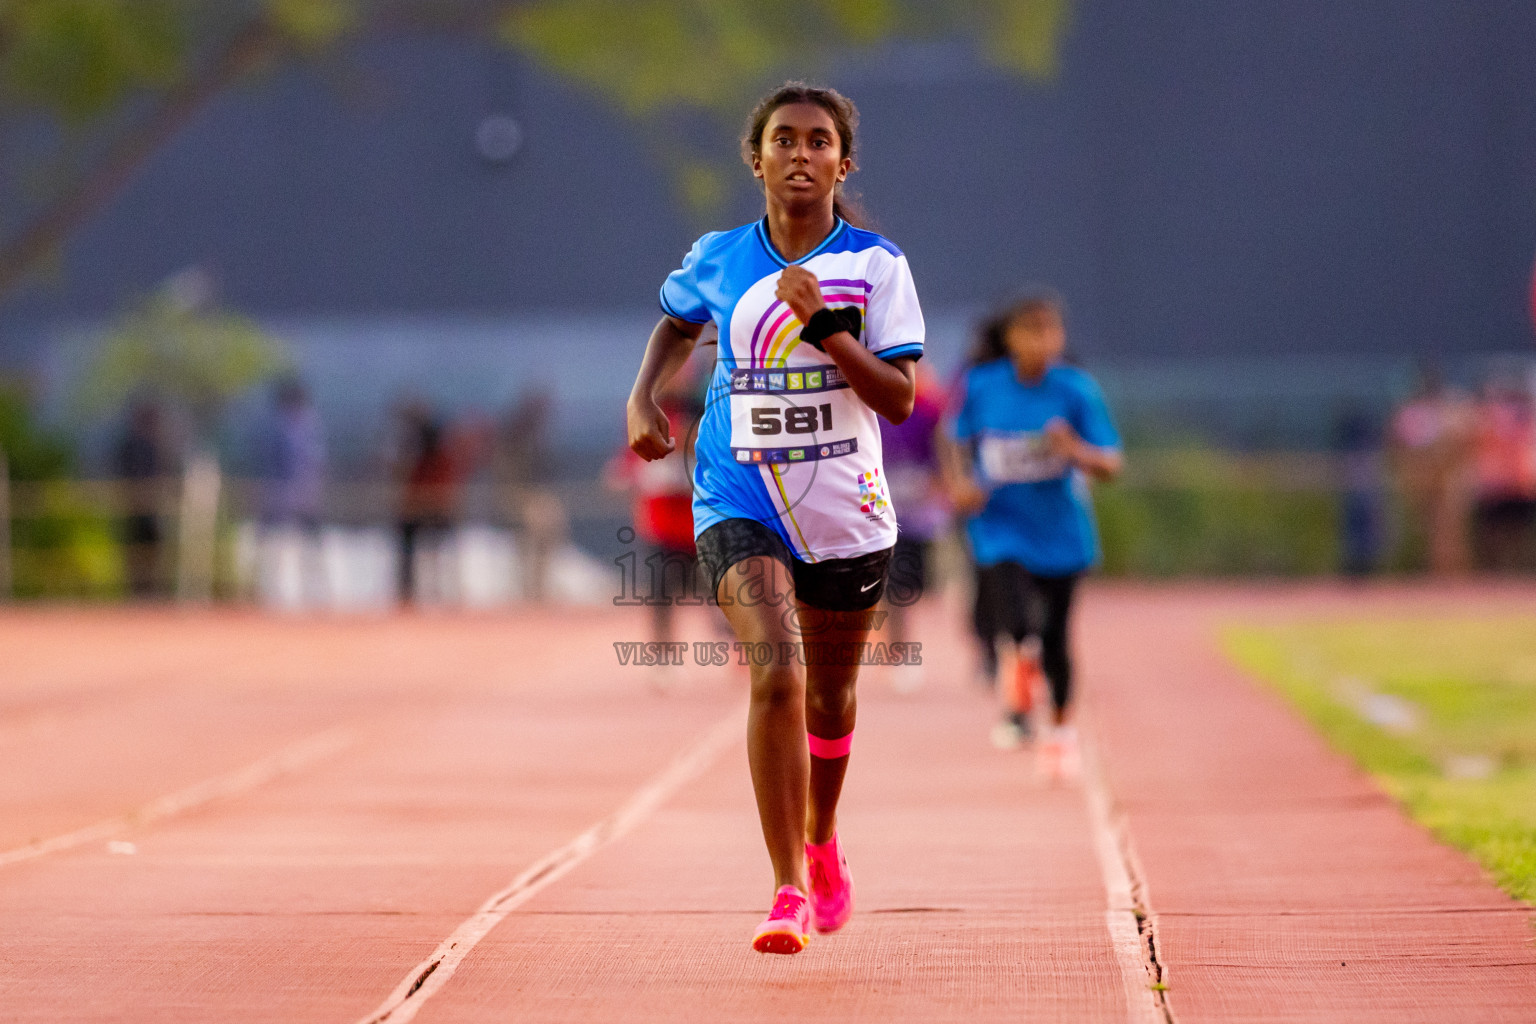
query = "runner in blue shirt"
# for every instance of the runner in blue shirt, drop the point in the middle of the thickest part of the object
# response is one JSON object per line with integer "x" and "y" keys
{"x": 819, "y": 331}
{"x": 1033, "y": 430}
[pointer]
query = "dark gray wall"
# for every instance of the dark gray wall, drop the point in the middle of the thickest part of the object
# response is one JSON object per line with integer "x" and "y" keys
{"x": 1203, "y": 177}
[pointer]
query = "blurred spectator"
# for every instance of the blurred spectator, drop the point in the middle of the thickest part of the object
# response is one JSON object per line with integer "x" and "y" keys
{"x": 662, "y": 492}
{"x": 293, "y": 460}
{"x": 292, "y": 468}
{"x": 1357, "y": 440}
{"x": 434, "y": 461}
{"x": 523, "y": 468}
{"x": 1431, "y": 445}
{"x": 142, "y": 461}
{"x": 912, "y": 473}
{"x": 1505, "y": 476}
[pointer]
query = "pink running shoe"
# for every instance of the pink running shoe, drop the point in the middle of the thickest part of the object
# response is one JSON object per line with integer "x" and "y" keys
{"x": 788, "y": 927}
{"x": 831, "y": 885}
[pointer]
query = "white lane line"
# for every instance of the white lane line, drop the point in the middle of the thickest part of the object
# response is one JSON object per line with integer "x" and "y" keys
{"x": 290, "y": 759}
{"x": 427, "y": 977}
{"x": 1142, "y": 1003}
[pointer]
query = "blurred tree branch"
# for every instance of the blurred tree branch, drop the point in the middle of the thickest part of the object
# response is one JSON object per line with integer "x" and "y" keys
{"x": 102, "y": 182}
{"x": 177, "y": 345}
{"x": 92, "y": 64}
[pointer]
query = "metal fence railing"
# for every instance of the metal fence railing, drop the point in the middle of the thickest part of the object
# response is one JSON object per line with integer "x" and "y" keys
{"x": 189, "y": 537}
{"x": 195, "y": 537}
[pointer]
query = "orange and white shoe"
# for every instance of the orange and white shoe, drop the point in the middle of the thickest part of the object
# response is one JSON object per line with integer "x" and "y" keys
{"x": 787, "y": 928}
{"x": 1024, "y": 681}
{"x": 1060, "y": 760}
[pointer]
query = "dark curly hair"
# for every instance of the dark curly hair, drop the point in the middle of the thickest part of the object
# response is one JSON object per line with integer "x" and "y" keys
{"x": 845, "y": 117}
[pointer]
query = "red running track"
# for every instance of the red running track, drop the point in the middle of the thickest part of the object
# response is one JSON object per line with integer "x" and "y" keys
{"x": 1282, "y": 884}
{"x": 347, "y": 795}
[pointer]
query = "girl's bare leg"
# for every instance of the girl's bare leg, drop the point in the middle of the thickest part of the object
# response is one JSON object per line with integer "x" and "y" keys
{"x": 776, "y": 747}
{"x": 833, "y": 640}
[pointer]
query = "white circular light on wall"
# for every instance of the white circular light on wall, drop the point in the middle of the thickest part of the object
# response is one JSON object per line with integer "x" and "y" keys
{"x": 498, "y": 138}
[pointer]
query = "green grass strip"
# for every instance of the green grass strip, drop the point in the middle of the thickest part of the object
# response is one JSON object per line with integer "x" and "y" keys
{"x": 1441, "y": 711}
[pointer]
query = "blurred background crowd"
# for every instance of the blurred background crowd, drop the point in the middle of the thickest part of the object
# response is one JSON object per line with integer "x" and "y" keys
{"x": 335, "y": 305}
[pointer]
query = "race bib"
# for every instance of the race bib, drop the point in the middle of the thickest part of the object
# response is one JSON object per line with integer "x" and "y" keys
{"x": 1021, "y": 458}
{"x": 801, "y": 415}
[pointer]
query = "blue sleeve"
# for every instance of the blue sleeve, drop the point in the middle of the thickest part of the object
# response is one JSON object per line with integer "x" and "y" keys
{"x": 963, "y": 425}
{"x": 680, "y": 295}
{"x": 1094, "y": 423}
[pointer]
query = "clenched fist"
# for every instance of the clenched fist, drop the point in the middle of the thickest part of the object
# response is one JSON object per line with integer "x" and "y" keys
{"x": 1062, "y": 441}
{"x": 801, "y": 292}
{"x": 649, "y": 434}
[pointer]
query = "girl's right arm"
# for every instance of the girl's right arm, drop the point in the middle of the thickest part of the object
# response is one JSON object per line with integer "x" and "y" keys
{"x": 670, "y": 345}
{"x": 965, "y": 494}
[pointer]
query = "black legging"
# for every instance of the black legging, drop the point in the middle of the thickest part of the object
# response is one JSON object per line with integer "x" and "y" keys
{"x": 1012, "y": 600}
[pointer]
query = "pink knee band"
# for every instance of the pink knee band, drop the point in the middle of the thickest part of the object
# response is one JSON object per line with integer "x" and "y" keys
{"x": 828, "y": 749}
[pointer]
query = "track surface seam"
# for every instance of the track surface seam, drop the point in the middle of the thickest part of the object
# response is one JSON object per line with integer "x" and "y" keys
{"x": 287, "y": 761}
{"x": 1129, "y": 922}
{"x": 429, "y": 976}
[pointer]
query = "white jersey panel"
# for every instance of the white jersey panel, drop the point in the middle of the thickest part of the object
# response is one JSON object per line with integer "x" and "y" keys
{"x": 784, "y": 439}
{"x": 814, "y": 442}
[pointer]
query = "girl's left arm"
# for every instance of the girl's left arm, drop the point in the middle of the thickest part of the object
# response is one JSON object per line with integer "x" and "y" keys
{"x": 887, "y": 386}
{"x": 1099, "y": 463}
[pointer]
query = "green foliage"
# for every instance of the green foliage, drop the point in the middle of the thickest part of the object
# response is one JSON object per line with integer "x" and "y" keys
{"x": 1025, "y": 35}
{"x": 85, "y": 61}
{"x": 1472, "y": 683}
{"x": 65, "y": 547}
{"x": 61, "y": 547}
{"x": 31, "y": 452}
{"x": 82, "y": 59}
{"x": 79, "y": 58}
{"x": 174, "y": 347}
{"x": 652, "y": 56}
{"x": 313, "y": 23}
{"x": 1199, "y": 512}
{"x": 648, "y": 55}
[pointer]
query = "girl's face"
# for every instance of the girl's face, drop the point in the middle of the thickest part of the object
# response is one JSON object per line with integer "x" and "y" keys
{"x": 1036, "y": 339}
{"x": 801, "y": 158}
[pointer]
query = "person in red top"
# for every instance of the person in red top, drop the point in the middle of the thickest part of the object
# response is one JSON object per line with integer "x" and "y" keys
{"x": 433, "y": 462}
{"x": 1504, "y": 468}
{"x": 662, "y": 510}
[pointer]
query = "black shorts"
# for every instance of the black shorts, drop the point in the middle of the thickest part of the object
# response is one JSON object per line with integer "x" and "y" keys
{"x": 833, "y": 584}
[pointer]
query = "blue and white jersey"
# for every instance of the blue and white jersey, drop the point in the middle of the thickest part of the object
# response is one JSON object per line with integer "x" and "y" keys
{"x": 1038, "y": 513}
{"x": 784, "y": 440}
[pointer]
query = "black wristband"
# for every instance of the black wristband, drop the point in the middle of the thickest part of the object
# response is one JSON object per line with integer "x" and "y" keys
{"x": 823, "y": 323}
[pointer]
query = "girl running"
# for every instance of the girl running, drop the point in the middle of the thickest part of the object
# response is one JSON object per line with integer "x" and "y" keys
{"x": 819, "y": 331}
{"x": 1036, "y": 428}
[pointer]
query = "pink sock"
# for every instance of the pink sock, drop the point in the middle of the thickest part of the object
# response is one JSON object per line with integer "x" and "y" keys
{"x": 829, "y": 749}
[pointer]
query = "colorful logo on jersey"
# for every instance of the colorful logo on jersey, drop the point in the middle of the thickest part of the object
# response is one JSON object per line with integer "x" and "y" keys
{"x": 759, "y": 382}
{"x": 872, "y": 499}
{"x": 796, "y": 454}
{"x": 796, "y": 381}
{"x": 825, "y": 451}
{"x": 741, "y": 380}
{"x": 813, "y": 379}
{"x": 742, "y": 455}
{"x": 776, "y": 381}
{"x": 757, "y": 456}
